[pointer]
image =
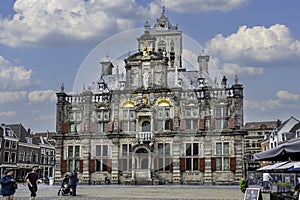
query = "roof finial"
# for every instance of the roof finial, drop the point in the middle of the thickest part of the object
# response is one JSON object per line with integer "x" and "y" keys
{"x": 163, "y": 10}
{"x": 236, "y": 80}
{"x": 62, "y": 88}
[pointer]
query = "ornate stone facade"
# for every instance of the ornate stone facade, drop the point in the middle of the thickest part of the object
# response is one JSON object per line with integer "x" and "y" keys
{"x": 158, "y": 124}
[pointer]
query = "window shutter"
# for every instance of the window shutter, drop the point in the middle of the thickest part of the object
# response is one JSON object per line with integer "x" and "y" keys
{"x": 232, "y": 163}
{"x": 80, "y": 166}
{"x": 182, "y": 164}
{"x": 134, "y": 128}
{"x": 93, "y": 127}
{"x": 63, "y": 166}
{"x": 121, "y": 124}
{"x": 232, "y": 123}
{"x": 92, "y": 166}
{"x": 201, "y": 124}
{"x": 110, "y": 127}
{"x": 171, "y": 165}
{"x": 202, "y": 164}
{"x": 182, "y": 124}
{"x": 213, "y": 164}
{"x": 109, "y": 166}
{"x": 82, "y": 127}
{"x": 65, "y": 128}
{"x": 213, "y": 124}
{"x": 171, "y": 124}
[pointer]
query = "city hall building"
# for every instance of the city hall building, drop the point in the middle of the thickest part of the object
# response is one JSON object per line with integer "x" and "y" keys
{"x": 157, "y": 123}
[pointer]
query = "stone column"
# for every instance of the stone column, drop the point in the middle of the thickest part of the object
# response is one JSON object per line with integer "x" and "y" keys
{"x": 176, "y": 160}
{"x": 115, "y": 161}
{"x": 208, "y": 174}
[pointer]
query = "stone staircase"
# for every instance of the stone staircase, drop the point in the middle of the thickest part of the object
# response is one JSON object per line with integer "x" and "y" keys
{"x": 142, "y": 177}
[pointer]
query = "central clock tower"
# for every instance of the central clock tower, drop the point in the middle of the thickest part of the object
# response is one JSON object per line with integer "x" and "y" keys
{"x": 163, "y": 38}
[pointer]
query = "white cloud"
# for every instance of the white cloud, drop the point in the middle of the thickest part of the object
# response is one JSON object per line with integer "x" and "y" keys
{"x": 46, "y": 117}
{"x": 12, "y": 96}
{"x": 197, "y": 6}
{"x": 42, "y": 96}
{"x": 59, "y": 22}
{"x": 264, "y": 105}
{"x": 285, "y": 95}
{"x": 13, "y": 77}
{"x": 8, "y": 114}
{"x": 257, "y": 43}
{"x": 233, "y": 69}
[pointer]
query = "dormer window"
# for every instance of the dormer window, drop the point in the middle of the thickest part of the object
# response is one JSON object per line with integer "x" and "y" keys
{"x": 101, "y": 86}
{"x": 298, "y": 133}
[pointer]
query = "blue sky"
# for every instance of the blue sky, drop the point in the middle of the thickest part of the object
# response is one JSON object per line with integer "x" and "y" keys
{"x": 44, "y": 43}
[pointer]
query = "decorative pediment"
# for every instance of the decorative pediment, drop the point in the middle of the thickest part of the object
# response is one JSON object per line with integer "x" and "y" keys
{"x": 102, "y": 105}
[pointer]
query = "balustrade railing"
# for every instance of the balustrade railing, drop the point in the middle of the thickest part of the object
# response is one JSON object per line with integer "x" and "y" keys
{"x": 144, "y": 136}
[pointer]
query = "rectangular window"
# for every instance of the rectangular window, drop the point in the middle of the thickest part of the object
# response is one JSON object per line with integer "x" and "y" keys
{"x": 6, "y": 156}
{"x": 73, "y": 157}
{"x": 13, "y": 144}
{"x": 128, "y": 120}
{"x": 192, "y": 156}
{"x": 191, "y": 118}
{"x": 222, "y": 156}
{"x": 105, "y": 151}
{"x": 221, "y": 115}
{"x": 21, "y": 156}
{"x": 77, "y": 151}
{"x": 28, "y": 156}
{"x": 70, "y": 151}
{"x": 164, "y": 119}
{"x": 98, "y": 150}
{"x": 101, "y": 151}
{"x": 98, "y": 165}
{"x": 73, "y": 165}
{"x": 164, "y": 156}
{"x": 7, "y": 144}
{"x": 12, "y": 157}
{"x": 78, "y": 116}
{"x": 72, "y": 116}
{"x": 102, "y": 155}
{"x": 126, "y": 157}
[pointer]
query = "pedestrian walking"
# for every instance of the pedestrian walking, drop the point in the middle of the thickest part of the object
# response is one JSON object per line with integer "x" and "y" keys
{"x": 8, "y": 185}
{"x": 74, "y": 182}
{"x": 32, "y": 180}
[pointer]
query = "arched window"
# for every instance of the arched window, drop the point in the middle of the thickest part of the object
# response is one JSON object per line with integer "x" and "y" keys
{"x": 172, "y": 46}
{"x": 162, "y": 46}
{"x": 146, "y": 126}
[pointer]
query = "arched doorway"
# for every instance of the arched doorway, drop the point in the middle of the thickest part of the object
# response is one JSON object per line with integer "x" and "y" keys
{"x": 142, "y": 161}
{"x": 142, "y": 158}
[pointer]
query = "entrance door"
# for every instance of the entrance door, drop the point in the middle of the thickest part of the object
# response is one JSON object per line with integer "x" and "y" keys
{"x": 142, "y": 166}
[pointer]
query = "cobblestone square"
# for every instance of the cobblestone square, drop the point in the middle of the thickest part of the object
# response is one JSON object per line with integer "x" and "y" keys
{"x": 139, "y": 192}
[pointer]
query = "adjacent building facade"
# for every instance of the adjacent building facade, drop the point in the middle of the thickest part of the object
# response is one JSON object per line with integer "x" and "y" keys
{"x": 257, "y": 140}
{"x": 21, "y": 150}
{"x": 158, "y": 123}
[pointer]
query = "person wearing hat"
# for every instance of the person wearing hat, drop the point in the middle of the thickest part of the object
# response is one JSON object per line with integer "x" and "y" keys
{"x": 8, "y": 185}
{"x": 32, "y": 180}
